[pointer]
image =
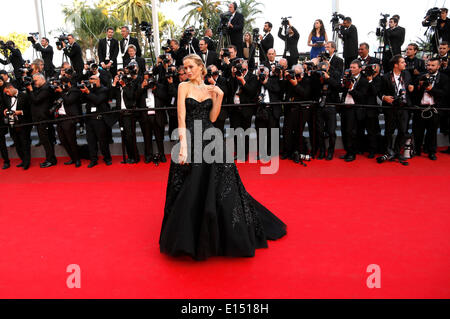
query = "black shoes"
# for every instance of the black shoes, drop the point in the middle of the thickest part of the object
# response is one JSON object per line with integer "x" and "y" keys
{"x": 371, "y": 155}
{"x": 321, "y": 155}
{"x": 348, "y": 157}
{"x": 162, "y": 158}
{"x": 108, "y": 162}
{"x": 71, "y": 162}
{"x": 6, "y": 165}
{"x": 19, "y": 165}
{"x": 147, "y": 159}
{"x": 284, "y": 156}
{"x": 46, "y": 164}
{"x": 329, "y": 156}
{"x": 447, "y": 151}
{"x": 432, "y": 156}
{"x": 92, "y": 164}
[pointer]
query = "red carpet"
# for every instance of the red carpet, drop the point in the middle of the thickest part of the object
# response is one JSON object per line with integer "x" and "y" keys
{"x": 341, "y": 218}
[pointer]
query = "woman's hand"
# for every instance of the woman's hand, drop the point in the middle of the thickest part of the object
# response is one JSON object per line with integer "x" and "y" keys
{"x": 182, "y": 156}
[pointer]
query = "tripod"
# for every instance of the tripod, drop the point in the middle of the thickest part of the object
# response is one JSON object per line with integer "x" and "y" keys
{"x": 149, "y": 37}
{"x": 433, "y": 32}
{"x": 224, "y": 38}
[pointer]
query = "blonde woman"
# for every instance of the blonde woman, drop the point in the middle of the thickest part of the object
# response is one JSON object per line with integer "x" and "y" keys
{"x": 208, "y": 211}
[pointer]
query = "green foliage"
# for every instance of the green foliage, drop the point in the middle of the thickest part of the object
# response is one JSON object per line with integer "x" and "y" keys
{"x": 19, "y": 39}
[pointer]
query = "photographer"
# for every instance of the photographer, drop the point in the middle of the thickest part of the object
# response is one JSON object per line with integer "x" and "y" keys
{"x": 108, "y": 50}
{"x": 208, "y": 38}
{"x": 92, "y": 69}
{"x": 68, "y": 104}
{"x": 164, "y": 68}
{"x": 329, "y": 83}
{"x": 6, "y": 79}
{"x": 20, "y": 111}
{"x": 266, "y": 40}
{"x": 349, "y": 35}
{"x": 124, "y": 91}
{"x": 270, "y": 61}
{"x": 433, "y": 88}
{"x": 394, "y": 37}
{"x": 73, "y": 51}
{"x": 208, "y": 57}
{"x": 135, "y": 59}
{"x": 14, "y": 57}
{"x": 126, "y": 41}
{"x": 291, "y": 42}
{"x": 177, "y": 52}
{"x": 41, "y": 103}
{"x": 267, "y": 116}
{"x": 438, "y": 19}
{"x": 228, "y": 56}
{"x": 396, "y": 91}
{"x": 336, "y": 63}
{"x": 369, "y": 120}
{"x": 4, "y": 104}
{"x": 189, "y": 42}
{"x": 213, "y": 77}
{"x": 236, "y": 28}
{"x": 152, "y": 95}
{"x": 97, "y": 128}
{"x": 354, "y": 87}
{"x": 364, "y": 56}
{"x": 47, "y": 55}
{"x": 298, "y": 88}
{"x": 243, "y": 89}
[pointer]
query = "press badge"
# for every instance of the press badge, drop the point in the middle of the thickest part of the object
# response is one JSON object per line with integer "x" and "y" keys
{"x": 150, "y": 102}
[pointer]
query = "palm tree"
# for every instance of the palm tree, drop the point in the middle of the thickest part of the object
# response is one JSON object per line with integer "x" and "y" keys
{"x": 201, "y": 11}
{"x": 250, "y": 10}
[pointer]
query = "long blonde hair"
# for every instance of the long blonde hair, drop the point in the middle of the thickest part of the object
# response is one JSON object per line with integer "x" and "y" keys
{"x": 197, "y": 60}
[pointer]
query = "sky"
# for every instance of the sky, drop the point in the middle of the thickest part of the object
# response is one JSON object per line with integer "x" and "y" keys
{"x": 19, "y": 16}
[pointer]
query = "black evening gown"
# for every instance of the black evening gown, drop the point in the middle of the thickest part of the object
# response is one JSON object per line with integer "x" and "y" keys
{"x": 208, "y": 212}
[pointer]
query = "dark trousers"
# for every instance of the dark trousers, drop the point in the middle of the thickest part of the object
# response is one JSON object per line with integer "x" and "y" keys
{"x": 367, "y": 119}
{"x": 22, "y": 141}
{"x": 128, "y": 124}
{"x": 295, "y": 122}
{"x": 67, "y": 133}
{"x": 292, "y": 60}
{"x": 150, "y": 127}
{"x": 265, "y": 147}
{"x": 45, "y": 132}
{"x": 396, "y": 119}
{"x": 326, "y": 124}
{"x": 350, "y": 129}
{"x": 3, "y": 148}
{"x": 97, "y": 134}
{"x": 431, "y": 126}
{"x": 220, "y": 124}
{"x": 239, "y": 119}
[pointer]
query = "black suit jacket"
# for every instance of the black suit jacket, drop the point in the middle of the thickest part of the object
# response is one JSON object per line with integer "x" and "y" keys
{"x": 211, "y": 44}
{"x": 247, "y": 93}
{"x": 439, "y": 91}
{"x": 267, "y": 43}
{"x": 211, "y": 58}
{"x": 337, "y": 65}
{"x": 125, "y": 55}
{"x": 292, "y": 42}
{"x": 129, "y": 94}
{"x": 76, "y": 57}
{"x": 41, "y": 102}
{"x": 105, "y": 77}
{"x": 72, "y": 101}
{"x": 369, "y": 60}
{"x": 113, "y": 50}
{"x": 161, "y": 96}
{"x": 23, "y": 104}
{"x": 395, "y": 38}
{"x": 359, "y": 92}
{"x": 222, "y": 83}
{"x": 47, "y": 56}
{"x": 388, "y": 86}
{"x": 274, "y": 88}
{"x": 236, "y": 32}
{"x": 141, "y": 64}
{"x": 350, "y": 38}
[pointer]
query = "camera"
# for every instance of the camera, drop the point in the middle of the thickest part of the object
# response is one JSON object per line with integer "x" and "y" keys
{"x": 5, "y": 46}
{"x": 187, "y": 36}
{"x": 54, "y": 83}
{"x": 347, "y": 79}
{"x": 239, "y": 69}
{"x": 32, "y": 36}
{"x": 285, "y": 21}
{"x": 62, "y": 38}
{"x": 290, "y": 74}
{"x": 261, "y": 74}
{"x": 167, "y": 46}
{"x": 27, "y": 81}
{"x": 56, "y": 105}
{"x": 399, "y": 98}
{"x": 84, "y": 84}
{"x": 335, "y": 20}
{"x": 10, "y": 118}
{"x": 146, "y": 27}
{"x": 226, "y": 53}
{"x": 369, "y": 70}
{"x": 433, "y": 14}
{"x": 324, "y": 56}
{"x": 425, "y": 81}
{"x": 210, "y": 73}
{"x": 255, "y": 32}
{"x": 224, "y": 19}
{"x": 382, "y": 25}
{"x": 132, "y": 70}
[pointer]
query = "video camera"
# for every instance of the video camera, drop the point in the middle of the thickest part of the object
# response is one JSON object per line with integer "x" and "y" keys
{"x": 433, "y": 14}
{"x": 224, "y": 19}
{"x": 146, "y": 27}
{"x": 382, "y": 25}
{"x": 5, "y": 46}
{"x": 188, "y": 34}
{"x": 335, "y": 20}
{"x": 62, "y": 38}
{"x": 32, "y": 36}
{"x": 285, "y": 21}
